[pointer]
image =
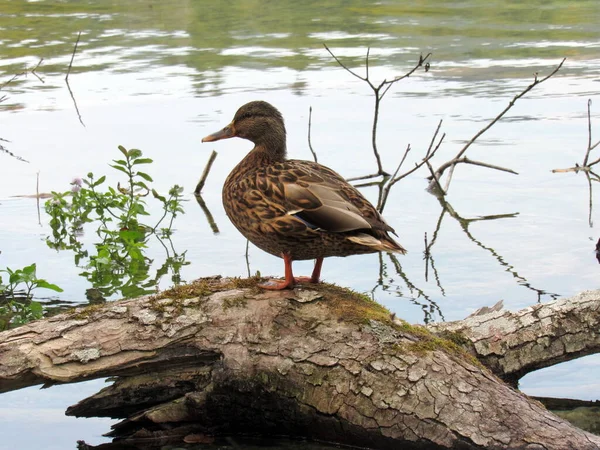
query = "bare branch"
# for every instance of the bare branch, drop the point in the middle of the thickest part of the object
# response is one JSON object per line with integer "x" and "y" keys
{"x": 589, "y": 147}
{"x": 72, "y": 57}
{"x": 466, "y": 160}
{"x": 67, "y": 80}
{"x": 248, "y": 257}
{"x": 437, "y": 184}
{"x": 449, "y": 178}
{"x": 401, "y": 162}
{"x": 309, "y": 142}
{"x": 33, "y": 71}
{"x": 379, "y": 94}
{"x": 207, "y": 168}
{"x": 452, "y": 163}
{"x": 209, "y": 217}
{"x": 536, "y": 81}
{"x": 364, "y": 177}
{"x": 346, "y": 67}
{"x": 406, "y": 75}
{"x": 430, "y": 154}
{"x": 3, "y": 149}
{"x": 437, "y": 130}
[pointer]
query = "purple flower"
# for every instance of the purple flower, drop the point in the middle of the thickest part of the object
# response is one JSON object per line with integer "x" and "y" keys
{"x": 77, "y": 182}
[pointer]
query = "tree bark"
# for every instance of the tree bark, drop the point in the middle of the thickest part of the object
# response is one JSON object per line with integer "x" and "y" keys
{"x": 222, "y": 357}
{"x": 512, "y": 344}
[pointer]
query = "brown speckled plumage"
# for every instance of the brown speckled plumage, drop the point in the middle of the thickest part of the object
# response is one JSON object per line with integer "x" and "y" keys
{"x": 291, "y": 208}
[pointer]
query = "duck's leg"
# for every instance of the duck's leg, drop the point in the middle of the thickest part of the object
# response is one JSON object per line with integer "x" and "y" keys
{"x": 288, "y": 283}
{"x": 316, "y": 274}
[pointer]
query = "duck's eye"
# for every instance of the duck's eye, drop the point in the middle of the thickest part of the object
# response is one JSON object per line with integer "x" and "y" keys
{"x": 243, "y": 116}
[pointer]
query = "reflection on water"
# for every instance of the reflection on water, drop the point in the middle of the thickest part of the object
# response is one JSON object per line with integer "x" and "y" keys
{"x": 473, "y": 40}
{"x": 155, "y": 74}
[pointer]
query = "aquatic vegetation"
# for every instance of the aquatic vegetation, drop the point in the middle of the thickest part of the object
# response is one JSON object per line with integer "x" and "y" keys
{"x": 16, "y": 297}
{"x": 118, "y": 262}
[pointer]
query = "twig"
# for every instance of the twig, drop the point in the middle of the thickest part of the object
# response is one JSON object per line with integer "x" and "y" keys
{"x": 433, "y": 306}
{"x": 247, "y": 257}
{"x": 431, "y": 151}
{"x": 37, "y": 196}
{"x": 67, "y": 81}
{"x": 458, "y": 158}
{"x": 437, "y": 184}
{"x": 3, "y": 149}
{"x": 207, "y": 213}
{"x": 33, "y": 71}
{"x": 589, "y": 147}
{"x": 73, "y": 57}
{"x": 430, "y": 255}
{"x": 587, "y": 166}
{"x": 202, "y": 180}
{"x": 365, "y": 177}
{"x": 536, "y": 81}
{"x": 589, "y": 180}
{"x": 379, "y": 92}
{"x": 309, "y": 143}
{"x": 426, "y": 255}
{"x": 75, "y": 103}
{"x": 464, "y": 224}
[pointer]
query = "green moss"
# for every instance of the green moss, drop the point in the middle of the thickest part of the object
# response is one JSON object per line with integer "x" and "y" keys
{"x": 171, "y": 308}
{"x": 235, "y": 302}
{"x": 359, "y": 308}
{"x": 433, "y": 342}
{"x": 85, "y": 312}
{"x": 413, "y": 330}
{"x": 457, "y": 338}
{"x": 353, "y": 306}
{"x": 198, "y": 288}
{"x": 244, "y": 283}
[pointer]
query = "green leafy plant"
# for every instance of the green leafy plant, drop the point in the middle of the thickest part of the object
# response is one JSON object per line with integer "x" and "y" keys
{"x": 16, "y": 297}
{"x": 118, "y": 262}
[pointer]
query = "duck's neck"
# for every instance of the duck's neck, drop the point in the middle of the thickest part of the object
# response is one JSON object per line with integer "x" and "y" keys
{"x": 260, "y": 156}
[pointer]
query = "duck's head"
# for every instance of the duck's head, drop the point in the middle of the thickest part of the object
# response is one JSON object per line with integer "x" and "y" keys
{"x": 259, "y": 122}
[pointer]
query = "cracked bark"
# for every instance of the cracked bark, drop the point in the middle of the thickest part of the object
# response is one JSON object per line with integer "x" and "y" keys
{"x": 512, "y": 344}
{"x": 321, "y": 363}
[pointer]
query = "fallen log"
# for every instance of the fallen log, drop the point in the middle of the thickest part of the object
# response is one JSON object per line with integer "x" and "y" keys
{"x": 512, "y": 344}
{"x": 221, "y": 357}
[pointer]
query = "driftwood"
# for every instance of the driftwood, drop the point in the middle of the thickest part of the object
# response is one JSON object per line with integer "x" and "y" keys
{"x": 512, "y": 344}
{"x": 220, "y": 357}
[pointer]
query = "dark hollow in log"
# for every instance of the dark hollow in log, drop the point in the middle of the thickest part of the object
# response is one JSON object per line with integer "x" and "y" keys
{"x": 223, "y": 357}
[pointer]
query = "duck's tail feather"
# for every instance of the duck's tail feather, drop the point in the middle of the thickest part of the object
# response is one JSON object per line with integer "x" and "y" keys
{"x": 382, "y": 244}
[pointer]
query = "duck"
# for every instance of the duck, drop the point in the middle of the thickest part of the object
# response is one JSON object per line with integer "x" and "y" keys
{"x": 295, "y": 209}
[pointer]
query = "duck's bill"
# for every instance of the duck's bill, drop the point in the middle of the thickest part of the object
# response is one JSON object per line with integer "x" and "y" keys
{"x": 225, "y": 133}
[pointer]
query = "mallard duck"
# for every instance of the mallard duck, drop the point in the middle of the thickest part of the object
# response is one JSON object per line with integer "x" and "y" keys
{"x": 295, "y": 209}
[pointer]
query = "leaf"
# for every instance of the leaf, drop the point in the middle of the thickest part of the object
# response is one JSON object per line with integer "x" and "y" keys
{"x": 120, "y": 162}
{"x": 102, "y": 260}
{"x": 145, "y": 176}
{"x": 100, "y": 181}
{"x": 134, "y": 153}
{"x": 29, "y": 269}
{"x": 120, "y": 168}
{"x": 158, "y": 196}
{"x": 142, "y": 185}
{"x": 36, "y": 309}
{"x": 45, "y": 285}
{"x": 123, "y": 150}
{"x": 142, "y": 161}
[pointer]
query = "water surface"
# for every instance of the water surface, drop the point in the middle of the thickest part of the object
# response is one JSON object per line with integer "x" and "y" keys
{"x": 161, "y": 75}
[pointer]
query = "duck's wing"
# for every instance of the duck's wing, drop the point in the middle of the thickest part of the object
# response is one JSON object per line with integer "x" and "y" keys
{"x": 317, "y": 197}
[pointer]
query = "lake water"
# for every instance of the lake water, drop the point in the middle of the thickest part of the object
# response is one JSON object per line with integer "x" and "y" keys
{"x": 161, "y": 75}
